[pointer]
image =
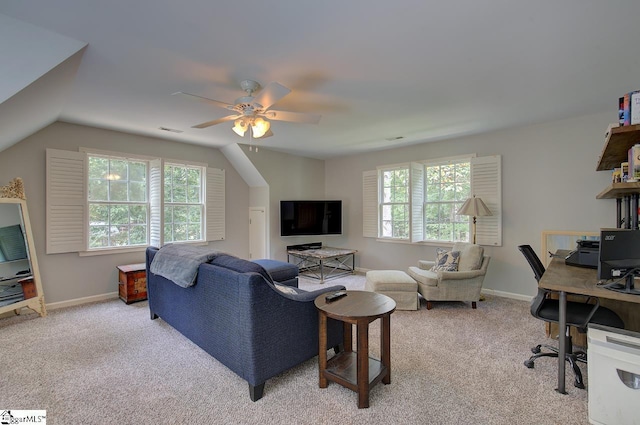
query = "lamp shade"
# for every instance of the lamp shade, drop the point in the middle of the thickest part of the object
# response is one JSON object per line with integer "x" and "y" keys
{"x": 240, "y": 127}
{"x": 260, "y": 127}
{"x": 474, "y": 207}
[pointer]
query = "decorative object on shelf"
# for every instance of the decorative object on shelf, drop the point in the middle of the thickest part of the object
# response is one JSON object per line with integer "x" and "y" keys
{"x": 633, "y": 156}
{"x": 474, "y": 207}
{"x": 616, "y": 176}
{"x": 15, "y": 189}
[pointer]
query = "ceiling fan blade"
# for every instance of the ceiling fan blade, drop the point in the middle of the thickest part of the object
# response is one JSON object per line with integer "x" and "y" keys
{"x": 205, "y": 99}
{"x": 293, "y": 117}
{"x": 217, "y": 121}
{"x": 269, "y": 133}
{"x": 272, "y": 93}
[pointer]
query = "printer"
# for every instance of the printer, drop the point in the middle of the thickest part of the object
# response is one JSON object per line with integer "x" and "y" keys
{"x": 586, "y": 254}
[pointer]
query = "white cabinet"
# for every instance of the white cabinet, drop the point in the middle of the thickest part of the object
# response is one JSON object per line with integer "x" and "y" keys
{"x": 614, "y": 375}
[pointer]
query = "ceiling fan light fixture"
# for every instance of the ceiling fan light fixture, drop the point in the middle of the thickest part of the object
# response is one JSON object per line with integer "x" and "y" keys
{"x": 240, "y": 127}
{"x": 259, "y": 127}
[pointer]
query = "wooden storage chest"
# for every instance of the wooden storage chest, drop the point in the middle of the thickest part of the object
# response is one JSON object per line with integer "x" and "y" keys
{"x": 132, "y": 285}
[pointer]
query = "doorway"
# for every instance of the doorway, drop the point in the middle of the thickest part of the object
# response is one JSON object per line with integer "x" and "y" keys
{"x": 257, "y": 233}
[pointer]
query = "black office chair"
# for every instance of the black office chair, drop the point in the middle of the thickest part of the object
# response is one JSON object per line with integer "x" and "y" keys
{"x": 579, "y": 314}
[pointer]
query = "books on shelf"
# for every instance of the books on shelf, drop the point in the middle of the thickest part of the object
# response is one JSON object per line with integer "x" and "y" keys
{"x": 633, "y": 157}
{"x": 629, "y": 108}
{"x": 634, "y": 107}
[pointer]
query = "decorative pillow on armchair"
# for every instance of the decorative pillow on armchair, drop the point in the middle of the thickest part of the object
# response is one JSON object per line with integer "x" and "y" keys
{"x": 446, "y": 261}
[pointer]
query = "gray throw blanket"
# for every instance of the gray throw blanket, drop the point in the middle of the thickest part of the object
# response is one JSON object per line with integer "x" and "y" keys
{"x": 179, "y": 263}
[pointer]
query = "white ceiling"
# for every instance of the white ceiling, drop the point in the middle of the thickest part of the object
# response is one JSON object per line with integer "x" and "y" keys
{"x": 374, "y": 70}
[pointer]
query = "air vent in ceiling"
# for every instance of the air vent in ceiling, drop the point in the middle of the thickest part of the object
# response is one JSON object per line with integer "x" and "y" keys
{"x": 171, "y": 130}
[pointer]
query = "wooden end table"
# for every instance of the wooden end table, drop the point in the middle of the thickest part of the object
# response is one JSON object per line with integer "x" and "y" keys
{"x": 356, "y": 371}
{"x": 132, "y": 284}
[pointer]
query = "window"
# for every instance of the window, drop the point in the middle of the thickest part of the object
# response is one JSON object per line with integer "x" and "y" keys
{"x": 447, "y": 186}
{"x": 394, "y": 204}
{"x": 183, "y": 203}
{"x": 98, "y": 202}
{"x": 117, "y": 197}
{"x": 418, "y": 201}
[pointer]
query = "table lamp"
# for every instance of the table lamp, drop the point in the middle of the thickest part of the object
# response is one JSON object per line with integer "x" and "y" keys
{"x": 476, "y": 208}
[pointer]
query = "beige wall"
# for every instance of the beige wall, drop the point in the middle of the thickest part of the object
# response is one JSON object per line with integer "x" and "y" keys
{"x": 549, "y": 182}
{"x": 69, "y": 276}
{"x": 289, "y": 177}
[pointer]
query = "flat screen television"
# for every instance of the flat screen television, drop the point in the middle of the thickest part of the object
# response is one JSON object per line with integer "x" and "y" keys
{"x": 619, "y": 259}
{"x": 299, "y": 218}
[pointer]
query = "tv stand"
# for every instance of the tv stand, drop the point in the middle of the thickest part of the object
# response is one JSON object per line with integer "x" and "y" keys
{"x": 305, "y": 246}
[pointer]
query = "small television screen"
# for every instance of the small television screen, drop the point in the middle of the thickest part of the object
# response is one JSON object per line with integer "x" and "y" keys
{"x": 299, "y": 218}
{"x": 619, "y": 258}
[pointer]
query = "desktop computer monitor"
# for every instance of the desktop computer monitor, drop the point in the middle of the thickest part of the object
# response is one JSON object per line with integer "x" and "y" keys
{"x": 619, "y": 259}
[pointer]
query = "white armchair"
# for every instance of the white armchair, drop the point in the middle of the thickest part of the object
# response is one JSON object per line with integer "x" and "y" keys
{"x": 462, "y": 285}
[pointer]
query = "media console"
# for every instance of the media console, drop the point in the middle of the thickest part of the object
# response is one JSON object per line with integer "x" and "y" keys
{"x": 322, "y": 263}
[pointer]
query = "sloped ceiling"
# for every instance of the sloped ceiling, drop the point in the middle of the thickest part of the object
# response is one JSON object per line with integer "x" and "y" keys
{"x": 37, "y": 72}
{"x": 376, "y": 70}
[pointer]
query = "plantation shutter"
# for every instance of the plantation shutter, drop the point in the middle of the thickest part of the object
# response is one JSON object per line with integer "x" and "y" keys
{"x": 370, "y": 204}
{"x": 215, "y": 215}
{"x": 66, "y": 201}
{"x": 417, "y": 202}
{"x": 156, "y": 199}
{"x": 486, "y": 183}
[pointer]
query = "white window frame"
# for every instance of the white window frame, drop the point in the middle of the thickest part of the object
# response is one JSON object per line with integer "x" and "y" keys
{"x": 486, "y": 182}
{"x": 382, "y": 204}
{"x": 67, "y": 202}
{"x": 422, "y": 232}
{"x": 201, "y": 203}
{"x": 110, "y": 202}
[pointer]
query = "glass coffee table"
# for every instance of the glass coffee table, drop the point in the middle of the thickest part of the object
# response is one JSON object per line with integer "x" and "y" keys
{"x": 356, "y": 370}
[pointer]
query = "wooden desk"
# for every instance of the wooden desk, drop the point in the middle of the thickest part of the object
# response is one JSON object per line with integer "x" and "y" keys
{"x": 575, "y": 280}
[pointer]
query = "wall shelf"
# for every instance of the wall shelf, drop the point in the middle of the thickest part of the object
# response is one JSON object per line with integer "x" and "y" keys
{"x": 616, "y": 144}
{"x": 619, "y": 190}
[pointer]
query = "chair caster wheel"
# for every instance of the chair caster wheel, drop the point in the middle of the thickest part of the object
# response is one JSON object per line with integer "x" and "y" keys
{"x": 579, "y": 385}
{"x": 529, "y": 364}
{"x": 536, "y": 350}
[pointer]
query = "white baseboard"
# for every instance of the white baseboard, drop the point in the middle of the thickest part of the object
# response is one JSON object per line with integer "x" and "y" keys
{"x": 504, "y": 294}
{"x": 83, "y": 300}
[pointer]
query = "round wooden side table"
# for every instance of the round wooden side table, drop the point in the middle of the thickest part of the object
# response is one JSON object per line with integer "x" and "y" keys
{"x": 356, "y": 370}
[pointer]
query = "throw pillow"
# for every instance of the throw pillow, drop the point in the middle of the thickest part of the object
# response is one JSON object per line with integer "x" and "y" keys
{"x": 446, "y": 261}
{"x": 285, "y": 289}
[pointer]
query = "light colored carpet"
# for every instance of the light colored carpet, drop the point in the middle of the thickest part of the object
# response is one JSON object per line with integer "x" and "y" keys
{"x": 109, "y": 363}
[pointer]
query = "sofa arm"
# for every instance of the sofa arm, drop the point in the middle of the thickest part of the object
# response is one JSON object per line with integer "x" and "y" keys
{"x": 426, "y": 264}
{"x": 443, "y": 275}
{"x": 306, "y": 296}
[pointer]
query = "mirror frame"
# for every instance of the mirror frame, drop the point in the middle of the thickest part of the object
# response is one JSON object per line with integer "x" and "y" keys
{"x": 14, "y": 194}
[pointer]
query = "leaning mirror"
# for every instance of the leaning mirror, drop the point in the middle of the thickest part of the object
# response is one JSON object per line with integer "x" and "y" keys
{"x": 20, "y": 284}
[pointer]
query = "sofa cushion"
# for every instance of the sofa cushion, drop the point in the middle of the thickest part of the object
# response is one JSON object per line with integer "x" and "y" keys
{"x": 470, "y": 256}
{"x": 446, "y": 261}
{"x": 425, "y": 277}
{"x": 279, "y": 270}
{"x": 239, "y": 265}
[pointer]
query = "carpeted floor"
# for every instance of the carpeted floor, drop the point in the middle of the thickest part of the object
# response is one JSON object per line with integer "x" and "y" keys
{"x": 109, "y": 363}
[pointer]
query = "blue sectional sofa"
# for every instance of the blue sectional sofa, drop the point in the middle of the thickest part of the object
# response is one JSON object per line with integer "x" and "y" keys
{"x": 256, "y": 327}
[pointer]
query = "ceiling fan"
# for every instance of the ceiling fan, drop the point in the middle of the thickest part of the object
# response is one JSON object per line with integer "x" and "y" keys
{"x": 253, "y": 113}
